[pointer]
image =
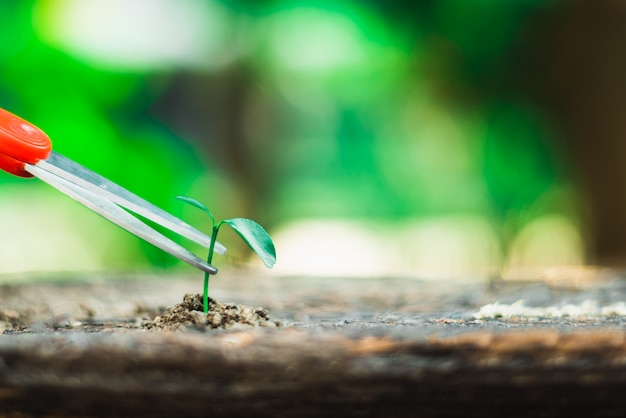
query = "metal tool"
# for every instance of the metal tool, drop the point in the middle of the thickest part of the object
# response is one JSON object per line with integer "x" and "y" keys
{"x": 26, "y": 151}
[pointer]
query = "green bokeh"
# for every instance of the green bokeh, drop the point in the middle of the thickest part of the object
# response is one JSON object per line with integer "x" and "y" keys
{"x": 365, "y": 110}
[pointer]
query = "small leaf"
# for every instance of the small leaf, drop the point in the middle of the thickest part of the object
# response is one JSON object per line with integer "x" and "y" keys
{"x": 256, "y": 237}
{"x": 193, "y": 202}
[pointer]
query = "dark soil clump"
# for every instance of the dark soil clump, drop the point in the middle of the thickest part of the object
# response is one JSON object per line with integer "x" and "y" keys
{"x": 12, "y": 320}
{"x": 189, "y": 315}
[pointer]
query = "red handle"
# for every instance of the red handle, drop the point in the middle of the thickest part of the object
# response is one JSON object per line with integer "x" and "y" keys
{"x": 21, "y": 142}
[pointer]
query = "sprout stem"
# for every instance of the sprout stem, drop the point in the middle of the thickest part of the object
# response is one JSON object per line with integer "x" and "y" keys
{"x": 209, "y": 260}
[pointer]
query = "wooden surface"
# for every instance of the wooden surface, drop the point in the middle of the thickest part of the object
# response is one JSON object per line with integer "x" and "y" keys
{"x": 395, "y": 348}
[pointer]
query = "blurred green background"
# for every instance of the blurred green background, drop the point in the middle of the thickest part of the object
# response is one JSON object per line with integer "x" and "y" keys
{"x": 447, "y": 139}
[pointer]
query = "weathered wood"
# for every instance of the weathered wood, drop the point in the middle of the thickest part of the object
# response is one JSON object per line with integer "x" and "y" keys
{"x": 384, "y": 362}
{"x": 298, "y": 373}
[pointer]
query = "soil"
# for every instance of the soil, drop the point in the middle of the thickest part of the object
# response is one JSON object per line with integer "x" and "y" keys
{"x": 107, "y": 347}
{"x": 190, "y": 314}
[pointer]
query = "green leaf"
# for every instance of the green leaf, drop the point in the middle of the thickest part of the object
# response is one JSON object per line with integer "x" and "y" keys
{"x": 256, "y": 237}
{"x": 193, "y": 202}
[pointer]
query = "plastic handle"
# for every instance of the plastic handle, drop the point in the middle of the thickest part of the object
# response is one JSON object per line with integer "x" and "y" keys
{"x": 21, "y": 142}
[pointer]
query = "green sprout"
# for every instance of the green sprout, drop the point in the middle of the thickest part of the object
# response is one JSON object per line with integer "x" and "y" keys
{"x": 251, "y": 232}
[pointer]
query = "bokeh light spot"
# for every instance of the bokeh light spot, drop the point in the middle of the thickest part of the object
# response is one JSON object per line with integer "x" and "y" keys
{"x": 138, "y": 34}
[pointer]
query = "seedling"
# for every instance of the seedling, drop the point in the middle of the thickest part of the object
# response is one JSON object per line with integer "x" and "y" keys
{"x": 251, "y": 232}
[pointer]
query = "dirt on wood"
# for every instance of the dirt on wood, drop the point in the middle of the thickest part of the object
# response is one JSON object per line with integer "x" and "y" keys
{"x": 190, "y": 315}
{"x": 344, "y": 347}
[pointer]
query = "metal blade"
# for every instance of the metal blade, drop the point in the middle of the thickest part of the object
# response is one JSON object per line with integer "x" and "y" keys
{"x": 119, "y": 216}
{"x": 75, "y": 173}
